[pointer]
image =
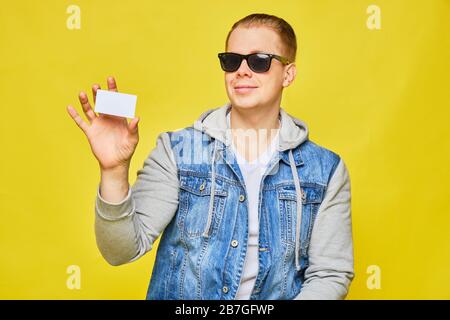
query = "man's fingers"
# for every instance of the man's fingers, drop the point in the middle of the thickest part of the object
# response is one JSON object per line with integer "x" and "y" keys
{"x": 76, "y": 117}
{"x": 112, "y": 86}
{"x": 133, "y": 125}
{"x": 90, "y": 114}
{"x": 95, "y": 87}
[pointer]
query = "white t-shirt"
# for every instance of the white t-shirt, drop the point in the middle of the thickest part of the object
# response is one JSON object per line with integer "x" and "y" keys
{"x": 252, "y": 173}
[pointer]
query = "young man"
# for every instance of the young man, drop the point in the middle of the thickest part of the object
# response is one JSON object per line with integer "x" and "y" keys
{"x": 239, "y": 222}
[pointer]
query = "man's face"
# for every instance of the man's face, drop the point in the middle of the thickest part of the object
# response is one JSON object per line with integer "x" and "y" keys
{"x": 268, "y": 86}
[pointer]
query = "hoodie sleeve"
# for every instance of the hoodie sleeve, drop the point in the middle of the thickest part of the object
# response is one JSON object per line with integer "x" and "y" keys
{"x": 330, "y": 271}
{"x": 125, "y": 231}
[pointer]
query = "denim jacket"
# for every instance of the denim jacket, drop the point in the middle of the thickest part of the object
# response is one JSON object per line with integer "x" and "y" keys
{"x": 192, "y": 191}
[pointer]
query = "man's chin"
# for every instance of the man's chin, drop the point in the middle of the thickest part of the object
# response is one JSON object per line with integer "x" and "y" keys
{"x": 242, "y": 104}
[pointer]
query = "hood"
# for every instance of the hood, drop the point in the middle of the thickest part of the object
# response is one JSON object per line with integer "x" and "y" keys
{"x": 293, "y": 131}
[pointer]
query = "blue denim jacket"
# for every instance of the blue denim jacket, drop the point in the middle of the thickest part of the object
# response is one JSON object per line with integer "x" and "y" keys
{"x": 192, "y": 191}
{"x": 202, "y": 251}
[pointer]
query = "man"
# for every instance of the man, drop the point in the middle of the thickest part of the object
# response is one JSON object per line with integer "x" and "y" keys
{"x": 239, "y": 222}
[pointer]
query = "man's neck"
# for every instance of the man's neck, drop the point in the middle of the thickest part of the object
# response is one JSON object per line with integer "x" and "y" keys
{"x": 253, "y": 129}
{"x": 255, "y": 118}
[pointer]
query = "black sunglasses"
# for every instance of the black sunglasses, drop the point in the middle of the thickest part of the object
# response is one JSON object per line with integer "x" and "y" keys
{"x": 258, "y": 62}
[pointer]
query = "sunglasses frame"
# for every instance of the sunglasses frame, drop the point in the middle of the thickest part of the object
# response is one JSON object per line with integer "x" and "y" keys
{"x": 245, "y": 57}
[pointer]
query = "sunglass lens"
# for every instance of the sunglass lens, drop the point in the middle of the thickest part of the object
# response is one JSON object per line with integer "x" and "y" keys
{"x": 230, "y": 62}
{"x": 259, "y": 62}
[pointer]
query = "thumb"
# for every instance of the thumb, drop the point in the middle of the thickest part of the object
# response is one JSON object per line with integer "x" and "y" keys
{"x": 133, "y": 125}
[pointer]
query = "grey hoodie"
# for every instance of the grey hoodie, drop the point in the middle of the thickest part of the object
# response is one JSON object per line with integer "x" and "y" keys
{"x": 127, "y": 230}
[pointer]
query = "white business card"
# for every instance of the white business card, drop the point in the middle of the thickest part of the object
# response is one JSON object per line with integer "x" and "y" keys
{"x": 115, "y": 103}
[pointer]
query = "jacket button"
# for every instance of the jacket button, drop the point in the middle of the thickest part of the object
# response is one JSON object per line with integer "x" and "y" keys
{"x": 241, "y": 198}
{"x": 202, "y": 186}
{"x": 234, "y": 243}
{"x": 303, "y": 195}
{"x": 225, "y": 289}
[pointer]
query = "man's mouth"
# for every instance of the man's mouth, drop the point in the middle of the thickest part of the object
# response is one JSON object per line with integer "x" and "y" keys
{"x": 244, "y": 88}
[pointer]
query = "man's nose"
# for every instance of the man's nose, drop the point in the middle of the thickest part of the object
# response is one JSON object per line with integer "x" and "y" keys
{"x": 244, "y": 69}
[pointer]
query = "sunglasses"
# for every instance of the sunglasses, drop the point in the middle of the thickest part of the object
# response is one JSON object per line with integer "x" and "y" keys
{"x": 257, "y": 62}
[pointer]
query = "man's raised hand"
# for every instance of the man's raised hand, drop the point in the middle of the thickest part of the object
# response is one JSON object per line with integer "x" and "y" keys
{"x": 112, "y": 139}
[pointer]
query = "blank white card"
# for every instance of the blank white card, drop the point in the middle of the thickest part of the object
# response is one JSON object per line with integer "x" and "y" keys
{"x": 115, "y": 103}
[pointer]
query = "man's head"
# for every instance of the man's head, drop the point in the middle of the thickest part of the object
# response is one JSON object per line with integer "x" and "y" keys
{"x": 263, "y": 34}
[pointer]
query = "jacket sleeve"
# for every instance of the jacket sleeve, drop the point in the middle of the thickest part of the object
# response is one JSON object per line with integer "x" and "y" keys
{"x": 125, "y": 231}
{"x": 330, "y": 269}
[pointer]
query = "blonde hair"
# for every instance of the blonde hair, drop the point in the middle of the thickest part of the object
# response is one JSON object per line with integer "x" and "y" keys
{"x": 280, "y": 26}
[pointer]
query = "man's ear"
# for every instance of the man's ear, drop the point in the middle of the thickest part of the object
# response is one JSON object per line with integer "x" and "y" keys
{"x": 289, "y": 74}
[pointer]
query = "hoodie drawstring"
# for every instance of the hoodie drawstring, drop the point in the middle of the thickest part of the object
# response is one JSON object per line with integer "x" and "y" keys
{"x": 213, "y": 191}
{"x": 298, "y": 194}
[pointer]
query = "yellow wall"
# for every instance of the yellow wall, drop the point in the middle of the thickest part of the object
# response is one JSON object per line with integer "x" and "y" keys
{"x": 379, "y": 98}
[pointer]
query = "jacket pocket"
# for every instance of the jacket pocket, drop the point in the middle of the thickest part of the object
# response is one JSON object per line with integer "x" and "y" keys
{"x": 311, "y": 197}
{"x": 194, "y": 201}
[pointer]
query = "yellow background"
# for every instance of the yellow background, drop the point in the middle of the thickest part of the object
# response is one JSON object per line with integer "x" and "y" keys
{"x": 379, "y": 98}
